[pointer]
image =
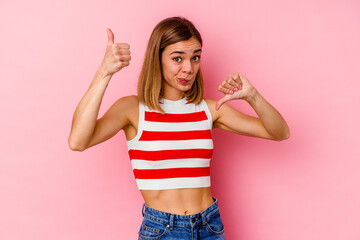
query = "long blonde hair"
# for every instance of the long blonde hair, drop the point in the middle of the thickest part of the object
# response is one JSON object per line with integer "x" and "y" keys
{"x": 150, "y": 84}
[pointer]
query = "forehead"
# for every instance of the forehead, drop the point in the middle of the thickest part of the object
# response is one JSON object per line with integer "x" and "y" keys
{"x": 185, "y": 46}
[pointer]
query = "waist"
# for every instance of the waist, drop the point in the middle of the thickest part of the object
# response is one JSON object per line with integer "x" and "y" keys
{"x": 183, "y": 201}
{"x": 166, "y": 218}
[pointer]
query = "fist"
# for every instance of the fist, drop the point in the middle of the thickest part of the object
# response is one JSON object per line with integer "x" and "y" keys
{"x": 117, "y": 55}
{"x": 235, "y": 86}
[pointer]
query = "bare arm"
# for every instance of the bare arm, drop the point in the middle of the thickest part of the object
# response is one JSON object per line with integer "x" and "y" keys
{"x": 84, "y": 122}
{"x": 86, "y": 113}
{"x": 269, "y": 124}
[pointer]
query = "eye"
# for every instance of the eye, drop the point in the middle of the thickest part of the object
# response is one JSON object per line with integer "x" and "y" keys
{"x": 177, "y": 59}
{"x": 196, "y": 58}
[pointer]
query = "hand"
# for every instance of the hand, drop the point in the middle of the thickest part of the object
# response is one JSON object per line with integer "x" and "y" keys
{"x": 117, "y": 55}
{"x": 235, "y": 86}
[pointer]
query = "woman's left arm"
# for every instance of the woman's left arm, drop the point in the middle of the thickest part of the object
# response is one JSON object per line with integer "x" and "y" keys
{"x": 269, "y": 125}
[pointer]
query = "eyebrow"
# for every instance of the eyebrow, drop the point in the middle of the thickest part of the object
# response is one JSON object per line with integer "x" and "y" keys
{"x": 180, "y": 52}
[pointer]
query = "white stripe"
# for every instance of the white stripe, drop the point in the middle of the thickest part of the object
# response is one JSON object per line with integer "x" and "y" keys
{"x": 172, "y": 145}
{"x": 208, "y": 113}
{"x": 182, "y": 126}
{"x": 164, "y": 164}
{"x": 173, "y": 183}
{"x": 178, "y": 109}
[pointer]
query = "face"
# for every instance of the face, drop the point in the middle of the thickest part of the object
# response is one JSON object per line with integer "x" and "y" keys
{"x": 180, "y": 64}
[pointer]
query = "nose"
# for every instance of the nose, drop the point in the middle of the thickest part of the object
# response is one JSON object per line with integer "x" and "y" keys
{"x": 187, "y": 67}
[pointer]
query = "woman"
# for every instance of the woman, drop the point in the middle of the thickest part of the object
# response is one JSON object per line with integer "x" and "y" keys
{"x": 168, "y": 129}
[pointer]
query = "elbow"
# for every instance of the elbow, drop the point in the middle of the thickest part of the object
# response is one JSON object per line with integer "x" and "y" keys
{"x": 75, "y": 146}
{"x": 280, "y": 135}
{"x": 283, "y": 137}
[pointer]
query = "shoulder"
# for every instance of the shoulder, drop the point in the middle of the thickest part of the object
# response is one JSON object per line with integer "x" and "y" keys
{"x": 126, "y": 105}
{"x": 128, "y": 101}
{"x": 211, "y": 103}
{"x": 224, "y": 111}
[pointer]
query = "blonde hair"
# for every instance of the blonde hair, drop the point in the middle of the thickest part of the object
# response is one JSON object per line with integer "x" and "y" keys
{"x": 150, "y": 84}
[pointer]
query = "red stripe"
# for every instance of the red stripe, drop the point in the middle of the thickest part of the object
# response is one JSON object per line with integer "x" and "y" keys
{"x": 170, "y": 154}
{"x": 171, "y": 173}
{"x": 181, "y": 135}
{"x": 173, "y": 117}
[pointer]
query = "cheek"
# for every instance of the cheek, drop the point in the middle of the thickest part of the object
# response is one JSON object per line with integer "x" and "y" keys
{"x": 196, "y": 68}
{"x": 172, "y": 69}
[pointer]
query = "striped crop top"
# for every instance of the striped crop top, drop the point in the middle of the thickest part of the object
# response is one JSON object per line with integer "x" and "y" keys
{"x": 172, "y": 150}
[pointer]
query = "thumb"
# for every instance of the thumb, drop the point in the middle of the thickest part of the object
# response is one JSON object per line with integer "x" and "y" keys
{"x": 110, "y": 36}
{"x": 221, "y": 102}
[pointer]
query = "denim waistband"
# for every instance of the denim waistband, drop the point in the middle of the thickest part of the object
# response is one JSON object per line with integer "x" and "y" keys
{"x": 172, "y": 219}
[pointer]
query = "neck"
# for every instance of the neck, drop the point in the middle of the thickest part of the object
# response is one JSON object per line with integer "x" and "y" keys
{"x": 174, "y": 96}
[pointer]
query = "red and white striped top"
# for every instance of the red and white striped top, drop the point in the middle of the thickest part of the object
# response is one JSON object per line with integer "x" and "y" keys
{"x": 172, "y": 150}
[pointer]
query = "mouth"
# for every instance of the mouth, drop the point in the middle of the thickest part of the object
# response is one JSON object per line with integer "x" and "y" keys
{"x": 183, "y": 80}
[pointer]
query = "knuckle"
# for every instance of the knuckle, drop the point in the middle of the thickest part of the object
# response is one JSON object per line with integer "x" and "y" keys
{"x": 125, "y": 45}
{"x": 114, "y": 47}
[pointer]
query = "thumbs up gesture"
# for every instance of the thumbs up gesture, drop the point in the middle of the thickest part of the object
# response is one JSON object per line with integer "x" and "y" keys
{"x": 117, "y": 55}
{"x": 235, "y": 86}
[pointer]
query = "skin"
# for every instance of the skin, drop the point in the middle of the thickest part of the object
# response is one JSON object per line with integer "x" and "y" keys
{"x": 179, "y": 60}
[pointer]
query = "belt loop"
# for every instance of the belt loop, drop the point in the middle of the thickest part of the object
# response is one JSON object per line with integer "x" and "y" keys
{"x": 142, "y": 211}
{"x": 203, "y": 216}
{"x": 171, "y": 221}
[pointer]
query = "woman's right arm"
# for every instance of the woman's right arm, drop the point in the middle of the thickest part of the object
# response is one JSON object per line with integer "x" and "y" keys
{"x": 86, "y": 130}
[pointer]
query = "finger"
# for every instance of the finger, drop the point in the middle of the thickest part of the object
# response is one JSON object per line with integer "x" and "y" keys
{"x": 221, "y": 102}
{"x": 125, "y": 58}
{"x": 236, "y": 78}
{"x": 232, "y": 82}
{"x": 122, "y": 46}
{"x": 225, "y": 84}
{"x": 125, "y": 64}
{"x": 225, "y": 90}
{"x": 110, "y": 37}
{"x": 240, "y": 85}
{"x": 120, "y": 52}
{"x": 124, "y": 52}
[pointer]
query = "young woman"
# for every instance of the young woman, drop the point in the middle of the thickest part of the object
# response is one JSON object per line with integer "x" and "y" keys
{"x": 168, "y": 129}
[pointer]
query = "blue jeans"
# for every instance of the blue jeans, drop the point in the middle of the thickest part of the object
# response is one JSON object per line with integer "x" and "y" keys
{"x": 205, "y": 225}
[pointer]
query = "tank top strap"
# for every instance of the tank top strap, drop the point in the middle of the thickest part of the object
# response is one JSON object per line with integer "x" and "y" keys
{"x": 140, "y": 127}
{"x": 208, "y": 113}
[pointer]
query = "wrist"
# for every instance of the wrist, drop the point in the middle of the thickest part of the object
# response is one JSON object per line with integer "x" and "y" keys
{"x": 101, "y": 72}
{"x": 101, "y": 78}
{"x": 253, "y": 96}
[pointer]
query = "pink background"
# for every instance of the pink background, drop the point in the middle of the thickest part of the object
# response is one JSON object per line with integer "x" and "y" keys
{"x": 302, "y": 56}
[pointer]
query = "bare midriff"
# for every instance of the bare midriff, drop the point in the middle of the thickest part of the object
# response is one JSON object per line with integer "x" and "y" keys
{"x": 185, "y": 201}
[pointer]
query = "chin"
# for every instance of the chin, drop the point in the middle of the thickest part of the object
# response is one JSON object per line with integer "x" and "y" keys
{"x": 185, "y": 88}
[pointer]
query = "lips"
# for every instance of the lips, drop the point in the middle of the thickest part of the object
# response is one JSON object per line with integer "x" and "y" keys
{"x": 183, "y": 80}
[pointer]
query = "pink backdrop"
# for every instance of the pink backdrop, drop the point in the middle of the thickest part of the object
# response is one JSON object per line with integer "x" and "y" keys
{"x": 302, "y": 56}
